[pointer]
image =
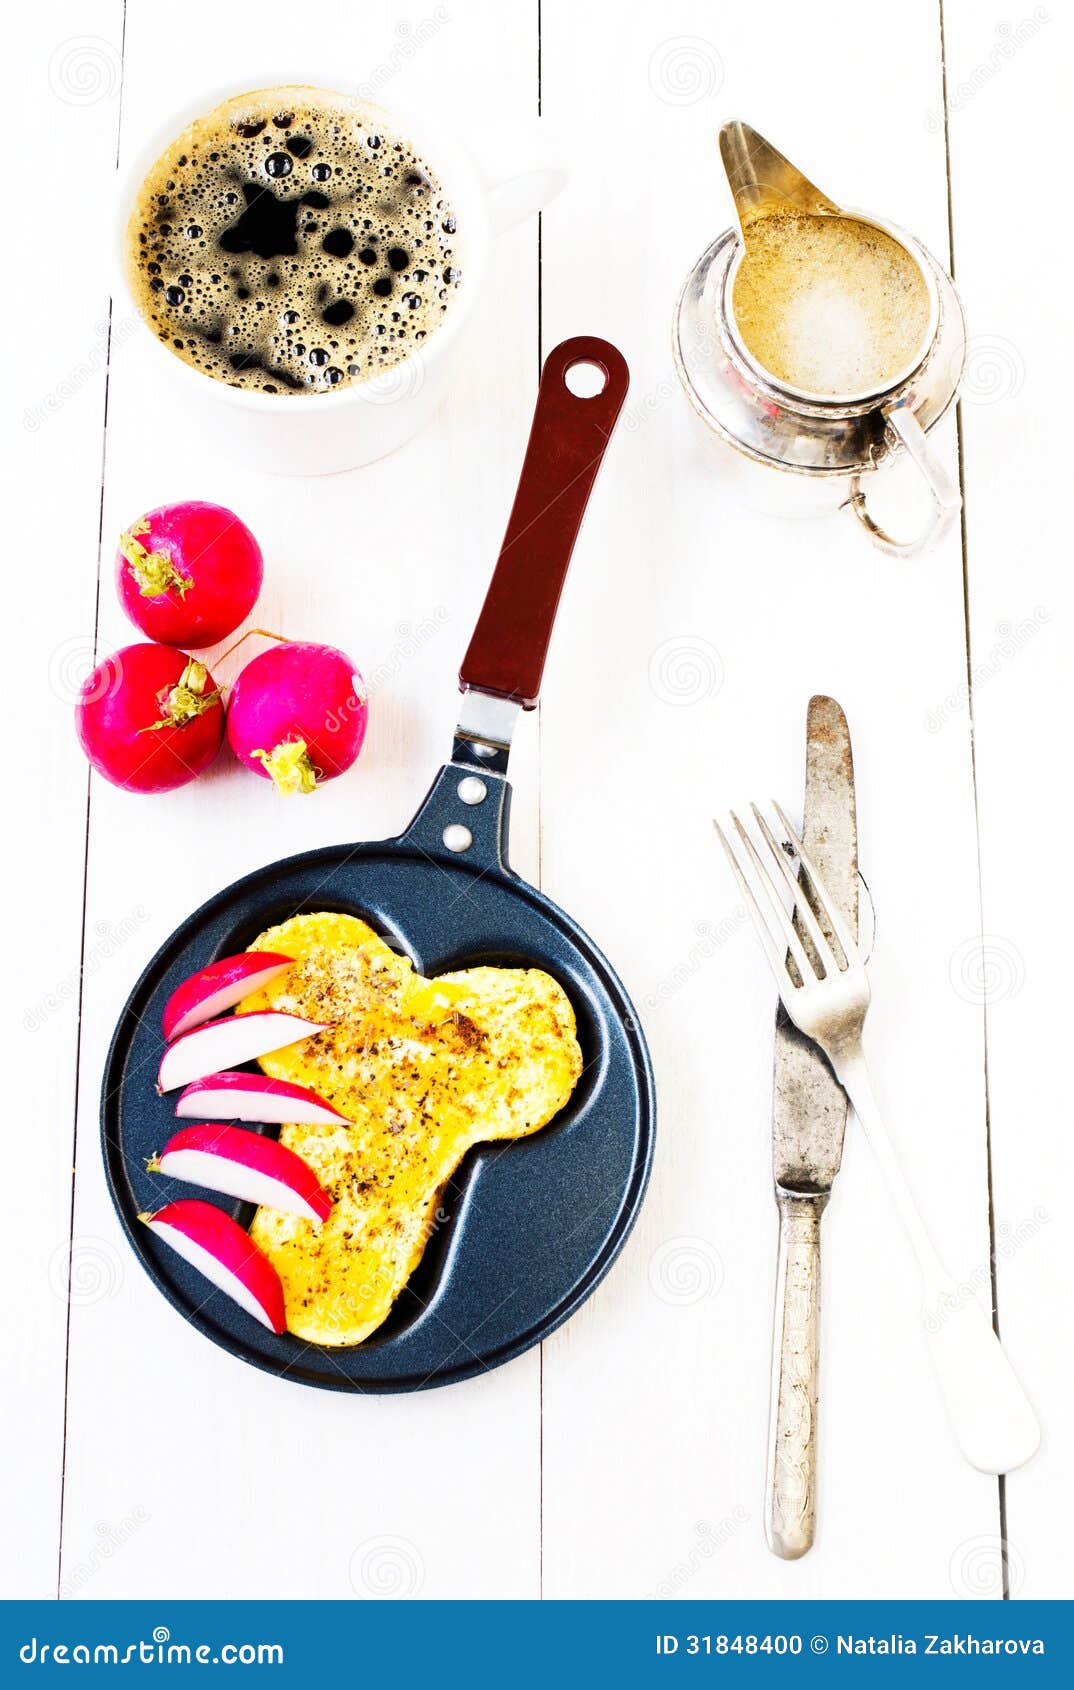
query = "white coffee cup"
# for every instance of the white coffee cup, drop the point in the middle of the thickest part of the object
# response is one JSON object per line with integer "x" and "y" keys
{"x": 320, "y": 434}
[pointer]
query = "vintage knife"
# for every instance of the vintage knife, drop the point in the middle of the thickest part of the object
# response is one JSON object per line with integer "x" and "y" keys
{"x": 809, "y": 1118}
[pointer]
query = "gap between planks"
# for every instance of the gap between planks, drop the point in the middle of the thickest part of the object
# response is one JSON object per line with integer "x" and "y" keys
{"x": 1001, "y": 1482}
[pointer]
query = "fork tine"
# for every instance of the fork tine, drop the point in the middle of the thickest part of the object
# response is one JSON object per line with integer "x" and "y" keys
{"x": 802, "y": 905}
{"x": 806, "y": 970}
{"x": 774, "y": 951}
{"x": 830, "y": 909}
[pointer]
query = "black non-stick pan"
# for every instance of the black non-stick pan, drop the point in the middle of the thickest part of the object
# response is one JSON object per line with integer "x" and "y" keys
{"x": 531, "y": 1226}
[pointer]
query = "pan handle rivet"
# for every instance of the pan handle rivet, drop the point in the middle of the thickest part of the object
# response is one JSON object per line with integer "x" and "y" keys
{"x": 457, "y": 837}
{"x": 472, "y": 790}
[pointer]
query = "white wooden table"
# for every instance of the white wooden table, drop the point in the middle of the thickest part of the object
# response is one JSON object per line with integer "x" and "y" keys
{"x": 625, "y": 1457}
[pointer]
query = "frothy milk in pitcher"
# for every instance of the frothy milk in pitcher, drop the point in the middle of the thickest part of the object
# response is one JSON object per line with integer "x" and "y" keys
{"x": 829, "y": 305}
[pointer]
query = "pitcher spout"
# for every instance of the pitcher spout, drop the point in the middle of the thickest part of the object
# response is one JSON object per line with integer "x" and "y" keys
{"x": 762, "y": 181}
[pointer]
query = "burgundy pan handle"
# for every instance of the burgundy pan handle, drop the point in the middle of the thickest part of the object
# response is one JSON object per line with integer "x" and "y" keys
{"x": 566, "y": 446}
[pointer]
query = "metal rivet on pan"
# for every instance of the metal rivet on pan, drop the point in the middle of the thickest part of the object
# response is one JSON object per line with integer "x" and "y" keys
{"x": 457, "y": 837}
{"x": 472, "y": 789}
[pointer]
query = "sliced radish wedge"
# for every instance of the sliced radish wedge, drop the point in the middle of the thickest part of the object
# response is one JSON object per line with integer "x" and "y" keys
{"x": 229, "y": 1041}
{"x": 254, "y": 1097}
{"x": 219, "y": 987}
{"x": 218, "y": 1247}
{"x": 243, "y": 1164}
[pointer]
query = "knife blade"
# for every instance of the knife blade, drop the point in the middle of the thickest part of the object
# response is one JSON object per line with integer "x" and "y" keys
{"x": 809, "y": 1115}
{"x": 809, "y": 1109}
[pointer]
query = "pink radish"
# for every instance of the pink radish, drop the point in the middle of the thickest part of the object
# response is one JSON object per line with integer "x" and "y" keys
{"x": 218, "y": 987}
{"x": 218, "y": 1247}
{"x": 254, "y": 1097}
{"x": 149, "y": 719}
{"x": 188, "y": 574}
{"x": 232, "y": 1039}
{"x": 243, "y": 1164}
{"x": 297, "y": 715}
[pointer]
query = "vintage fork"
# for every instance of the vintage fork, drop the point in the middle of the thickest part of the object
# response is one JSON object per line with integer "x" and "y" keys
{"x": 825, "y": 991}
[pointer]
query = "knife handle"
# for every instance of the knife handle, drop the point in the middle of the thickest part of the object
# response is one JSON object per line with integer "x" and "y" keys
{"x": 792, "y": 1449}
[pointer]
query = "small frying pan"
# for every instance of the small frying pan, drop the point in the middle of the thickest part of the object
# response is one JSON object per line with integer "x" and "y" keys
{"x": 531, "y": 1226}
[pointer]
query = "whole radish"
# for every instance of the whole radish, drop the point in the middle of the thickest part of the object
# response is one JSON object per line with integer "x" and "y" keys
{"x": 188, "y": 574}
{"x": 297, "y": 715}
{"x": 149, "y": 718}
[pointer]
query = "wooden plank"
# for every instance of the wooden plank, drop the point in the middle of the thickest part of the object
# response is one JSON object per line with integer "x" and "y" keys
{"x": 222, "y": 1481}
{"x": 717, "y": 620}
{"x": 56, "y": 307}
{"x": 1006, "y": 99}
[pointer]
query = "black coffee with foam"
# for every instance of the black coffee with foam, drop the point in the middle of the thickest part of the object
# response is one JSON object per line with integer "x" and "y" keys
{"x": 291, "y": 241}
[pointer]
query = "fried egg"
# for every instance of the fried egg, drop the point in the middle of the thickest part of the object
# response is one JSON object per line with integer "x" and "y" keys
{"x": 422, "y": 1070}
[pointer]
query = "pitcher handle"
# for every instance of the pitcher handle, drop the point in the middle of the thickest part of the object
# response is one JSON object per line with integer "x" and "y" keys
{"x": 946, "y": 498}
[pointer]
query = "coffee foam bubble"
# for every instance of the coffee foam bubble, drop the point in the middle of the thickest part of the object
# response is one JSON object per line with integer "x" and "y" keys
{"x": 829, "y": 305}
{"x": 292, "y": 241}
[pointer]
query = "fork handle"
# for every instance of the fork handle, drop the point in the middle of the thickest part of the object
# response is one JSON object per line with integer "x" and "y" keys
{"x": 992, "y": 1417}
{"x": 792, "y": 1448}
{"x": 990, "y": 1414}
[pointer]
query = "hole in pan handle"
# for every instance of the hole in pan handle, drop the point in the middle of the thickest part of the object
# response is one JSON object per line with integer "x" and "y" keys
{"x": 567, "y": 443}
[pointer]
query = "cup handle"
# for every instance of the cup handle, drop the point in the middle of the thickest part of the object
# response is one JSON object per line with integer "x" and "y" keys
{"x": 526, "y": 174}
{"x": 946, "y": 498}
